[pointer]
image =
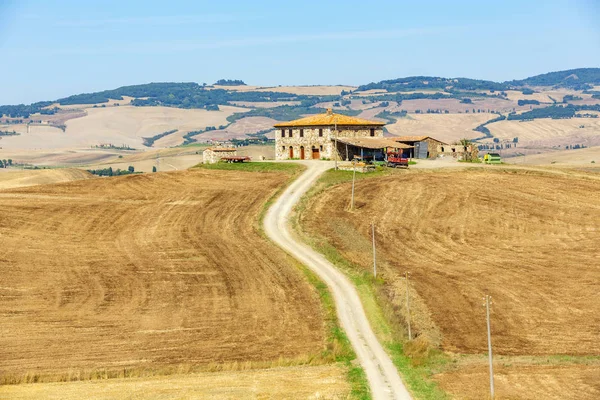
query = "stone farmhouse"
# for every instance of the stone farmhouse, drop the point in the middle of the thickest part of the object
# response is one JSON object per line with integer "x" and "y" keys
{"x": 316, "y": 136}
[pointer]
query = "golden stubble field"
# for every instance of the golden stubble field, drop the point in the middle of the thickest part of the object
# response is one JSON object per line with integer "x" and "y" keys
{"x": 124, "y": 125}
{"x": 448, "y": 128}
{"x": 156, "y": 272}
{"x": 528, "y": 238}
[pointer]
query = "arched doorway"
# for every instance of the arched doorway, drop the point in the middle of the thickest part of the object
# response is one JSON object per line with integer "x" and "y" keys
{"x": 316, "y": 154}
{"x": 302, "y": 152}
{"x": 291, "y": 152}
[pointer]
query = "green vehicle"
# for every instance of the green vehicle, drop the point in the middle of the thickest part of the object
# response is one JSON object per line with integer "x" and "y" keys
{"x": 492, "y": 158}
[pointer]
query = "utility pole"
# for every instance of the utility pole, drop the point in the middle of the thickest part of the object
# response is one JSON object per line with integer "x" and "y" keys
{"x": 335, "y": 150}
{"x": 374, "y": 255}
{"x": 353, "y": 179}
{"x": 488, "y": 301}
{"x": 407, "y": 306}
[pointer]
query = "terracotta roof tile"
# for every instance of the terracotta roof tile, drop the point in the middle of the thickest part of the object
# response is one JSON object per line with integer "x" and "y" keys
{"x": 329, "y": 119}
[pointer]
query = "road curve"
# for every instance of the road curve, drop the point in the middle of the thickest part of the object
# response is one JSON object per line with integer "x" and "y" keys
{"x": 383, "y": 377}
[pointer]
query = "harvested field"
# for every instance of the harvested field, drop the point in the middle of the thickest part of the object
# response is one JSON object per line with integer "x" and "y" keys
{"x": 588, "y": 157}
{"x": 240, "y": 129}
{"x": 10, "y": 178}
{"x": 547, "y": 132}
{"x": 529, "y": 382}
{"x": 445, "y": 127}
{"x": 120, "y": 125}
{"x": 527, "y": 238}
{"x": 148, "y": 273}
{"x": 60, "y": 157}
{"x": 319, "y": 382}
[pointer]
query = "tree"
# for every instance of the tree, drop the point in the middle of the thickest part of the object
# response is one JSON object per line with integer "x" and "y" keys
{"x": 110, "y": 171}
{"x": 131, "y": 169}
{"x": 10, "y": 162}
{"x": 154, "y": 168}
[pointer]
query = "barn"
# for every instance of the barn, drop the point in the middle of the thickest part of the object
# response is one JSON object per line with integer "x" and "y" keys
{"x": 423, "y": 146}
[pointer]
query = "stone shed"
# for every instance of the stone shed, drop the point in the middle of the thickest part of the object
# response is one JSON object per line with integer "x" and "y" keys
{"x": 213, "y": 155}
{"x": 423, "y": 146}
{"x": 315, "y": 137}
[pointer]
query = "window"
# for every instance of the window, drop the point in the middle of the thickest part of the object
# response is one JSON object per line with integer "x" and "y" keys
{"x": 282, "y": 148}
{"x": 372, "y": 132}
{"x": 283, "y": 133}
{"x": 301, "y": 132}
{"x": 290, "y": 133}
{"x": 321, "y": 132}
{"x": 321, "y": 147}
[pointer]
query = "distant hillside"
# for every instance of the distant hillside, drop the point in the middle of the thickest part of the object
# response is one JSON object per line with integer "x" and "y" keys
{"x": 433, "y": 83}
{"x": 579, "y": 79}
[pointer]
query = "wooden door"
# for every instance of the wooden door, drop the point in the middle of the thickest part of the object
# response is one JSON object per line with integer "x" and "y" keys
{"x": 302, "y": 152}
{"x": 291, "y": 152}
{"x": 316, "y": 154}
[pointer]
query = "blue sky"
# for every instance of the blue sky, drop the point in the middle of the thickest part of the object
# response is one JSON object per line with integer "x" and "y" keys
{"x": 55, "y": 49}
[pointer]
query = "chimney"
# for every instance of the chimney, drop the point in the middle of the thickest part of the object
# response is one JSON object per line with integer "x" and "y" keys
{"x": 329, "y": 111}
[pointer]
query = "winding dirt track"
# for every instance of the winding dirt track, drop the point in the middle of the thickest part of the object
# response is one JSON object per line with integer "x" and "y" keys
{"x": 383, "y": 377}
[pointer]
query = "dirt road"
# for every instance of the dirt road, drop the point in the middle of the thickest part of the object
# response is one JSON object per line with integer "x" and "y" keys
{"x": 383, "y": 377}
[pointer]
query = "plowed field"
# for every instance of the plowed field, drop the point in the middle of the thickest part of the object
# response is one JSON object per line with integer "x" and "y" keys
{"x": 147, "y": 271}
{"x": 528, "y": 239}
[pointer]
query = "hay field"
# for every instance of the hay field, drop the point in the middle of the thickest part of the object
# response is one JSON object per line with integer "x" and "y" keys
{"x": 14, "y": 178}
{"x": 445, "y": 127}
{"x": 147, "y": 273}
{"x": 318, "y": 382}
{"x": 547, "y": 132}
{"x": 240, "y": 129}
{"x": 527, "y": 238}
{"x": 548, "y": 382}
{"x": 575, "y": 157}
{"x": 119, "y": 125}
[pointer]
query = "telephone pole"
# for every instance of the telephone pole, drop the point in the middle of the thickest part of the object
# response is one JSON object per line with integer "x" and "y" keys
{"x": 374, "y": 255}
{"x": 488, "y": 301}
{"x": 353, "y": 179}
{"x": 407, "y": 306}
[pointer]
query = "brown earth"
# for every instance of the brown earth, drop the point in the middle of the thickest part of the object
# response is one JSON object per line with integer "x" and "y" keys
{"x": 525, "y": 382}
{"x": 10, "y": 178}
{"x": 529, "y": 239}
{"x": 316, "y": 382}
{"x": 147, "y": 272}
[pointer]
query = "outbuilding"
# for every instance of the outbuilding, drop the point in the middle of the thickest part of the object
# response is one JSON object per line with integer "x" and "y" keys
{"x": 423, "y": 146}
{"x": 213, "y": 155}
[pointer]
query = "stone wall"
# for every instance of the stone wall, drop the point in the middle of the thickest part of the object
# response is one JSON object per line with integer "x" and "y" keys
{"x": 210, "y": 156}
{"x": 315, "y": 146}
{"x": 466, "y": 153}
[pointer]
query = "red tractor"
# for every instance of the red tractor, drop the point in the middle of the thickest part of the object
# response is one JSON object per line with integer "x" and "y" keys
{"x": 396, "y": 160}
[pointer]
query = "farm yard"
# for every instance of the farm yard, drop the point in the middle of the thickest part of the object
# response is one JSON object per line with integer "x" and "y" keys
{"x": 526, "y": 237}
{"x": 149, "y": 274}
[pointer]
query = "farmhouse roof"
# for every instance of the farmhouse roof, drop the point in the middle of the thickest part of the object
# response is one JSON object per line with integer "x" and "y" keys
{"x": 373, "y": 143}
{"x": 329, "y": 119}
{"x": 415, "y": 139}
{"x": 221, "y": 149}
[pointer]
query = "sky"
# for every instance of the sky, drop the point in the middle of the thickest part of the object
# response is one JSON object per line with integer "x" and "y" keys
{"x": 55, "y": 49}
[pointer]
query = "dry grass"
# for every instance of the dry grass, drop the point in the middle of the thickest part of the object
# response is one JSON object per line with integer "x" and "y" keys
{"x": 148, "y": 273}
{"x": 319, "y": 382}
{"x": 445, "y": 127}
{"x": 119, "y": 125}
{"x": 549, "y": 382}
{"x": 577, "y": 157}
{"x": 238, "y": 130}
{"x": 547, "y": 132}
{"x": 10, "y": 178}
{"x": 528, "y": 238}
